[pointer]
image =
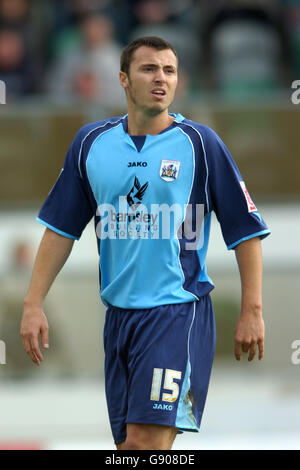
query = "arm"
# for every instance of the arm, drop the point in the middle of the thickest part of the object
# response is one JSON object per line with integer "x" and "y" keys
{"x": 249, "y": 331}
{"x": 53, "y": 252}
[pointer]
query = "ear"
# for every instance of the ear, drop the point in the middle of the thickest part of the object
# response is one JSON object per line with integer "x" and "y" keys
{"x": 123, "y": 80}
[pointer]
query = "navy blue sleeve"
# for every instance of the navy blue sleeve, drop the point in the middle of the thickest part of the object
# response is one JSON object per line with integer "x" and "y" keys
{"x": 236, "y": 212}
{"x": 70, "y": 204}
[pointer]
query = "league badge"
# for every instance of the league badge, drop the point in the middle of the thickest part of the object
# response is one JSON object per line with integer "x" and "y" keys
{"x": 250, "y": 203}
{"x": 169, "y": 170}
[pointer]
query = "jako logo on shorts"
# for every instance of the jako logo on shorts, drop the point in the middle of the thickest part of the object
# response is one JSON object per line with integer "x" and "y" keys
{"x": 157, "y": 406}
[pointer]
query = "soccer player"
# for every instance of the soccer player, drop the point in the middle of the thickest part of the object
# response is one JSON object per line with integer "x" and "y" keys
{"x": 151, "y": 180}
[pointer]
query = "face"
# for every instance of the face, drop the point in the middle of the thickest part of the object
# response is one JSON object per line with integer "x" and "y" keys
{"x": 151, "y": 83}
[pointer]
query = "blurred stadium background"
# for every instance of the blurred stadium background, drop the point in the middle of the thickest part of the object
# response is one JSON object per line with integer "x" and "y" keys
{"x": 59, "y": 60}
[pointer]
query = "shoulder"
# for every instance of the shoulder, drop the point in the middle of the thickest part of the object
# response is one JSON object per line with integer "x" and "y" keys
{"x": 99, "y": 126}
{"x": 206, "y": 138}
{"x": 201, "y": 135}
{"x": 204, "y": 131}
{"x": 96, "y": 128}
{"x": 86, "y": 135}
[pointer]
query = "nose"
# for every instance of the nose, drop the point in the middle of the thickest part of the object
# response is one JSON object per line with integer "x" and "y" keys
{"x": 159, "y": 76}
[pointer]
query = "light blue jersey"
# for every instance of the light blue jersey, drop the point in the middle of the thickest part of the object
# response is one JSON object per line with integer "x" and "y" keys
{"x": 151, "y": 198}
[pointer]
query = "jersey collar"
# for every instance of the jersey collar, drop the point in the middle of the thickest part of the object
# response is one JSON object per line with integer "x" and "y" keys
{"x": 177, "y": 118}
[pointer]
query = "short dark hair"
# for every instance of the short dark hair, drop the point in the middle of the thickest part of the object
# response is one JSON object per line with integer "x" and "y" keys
{"x": 149, "y": 41}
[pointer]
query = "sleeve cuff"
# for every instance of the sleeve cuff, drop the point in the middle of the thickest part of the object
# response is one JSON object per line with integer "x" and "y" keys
{"x": 262, "y": 234}
{"x": 60, "y": 232}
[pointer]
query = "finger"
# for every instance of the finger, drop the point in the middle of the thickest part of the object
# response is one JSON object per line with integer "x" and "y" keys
{"x": 260, "y": 344}
{"x": 45, "y": 338}
{"x": 26, "y": 343}
{"x": 245, "y": 346}
{"x": 33, "y": 356}
{"x": 35, "y": 347}
{"x": 27, "y": 347}
{"x": 36, "y": 359}
{"x": 252, "y": 351}
{"x": 238, "y": 350}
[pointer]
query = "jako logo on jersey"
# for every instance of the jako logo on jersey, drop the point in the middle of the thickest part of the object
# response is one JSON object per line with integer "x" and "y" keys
{"x": 157, "y": 406}
{"x": 131, "y": 164}
{"x": 169, "y": 170}
{"x": 136, "y": 194}
{"x": 250, "y": 203}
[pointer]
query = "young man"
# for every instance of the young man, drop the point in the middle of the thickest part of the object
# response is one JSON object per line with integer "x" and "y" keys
{"x": 151, "y": 180}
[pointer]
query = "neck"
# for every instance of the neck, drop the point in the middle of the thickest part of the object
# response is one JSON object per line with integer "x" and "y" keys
{"x": 139, "y": 124}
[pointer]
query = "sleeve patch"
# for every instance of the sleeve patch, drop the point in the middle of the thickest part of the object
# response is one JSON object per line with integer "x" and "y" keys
{"x": 250, "y": 203}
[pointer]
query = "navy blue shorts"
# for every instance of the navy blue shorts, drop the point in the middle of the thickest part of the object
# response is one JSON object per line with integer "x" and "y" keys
{"x": 157, "y": 365}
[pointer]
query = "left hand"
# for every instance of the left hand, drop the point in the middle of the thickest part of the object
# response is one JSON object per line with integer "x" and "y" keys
{"x": 249, "y": 334}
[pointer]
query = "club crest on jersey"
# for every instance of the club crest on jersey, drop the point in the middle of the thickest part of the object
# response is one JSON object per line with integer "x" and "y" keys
{"x": 169, "y": 170}
{"x": 250, "y": 203}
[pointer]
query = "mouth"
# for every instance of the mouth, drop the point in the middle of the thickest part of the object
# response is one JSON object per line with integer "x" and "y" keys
{"x": 159, "y": 93}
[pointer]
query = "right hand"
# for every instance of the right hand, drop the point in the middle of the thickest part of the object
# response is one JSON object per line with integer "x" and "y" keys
{"x": 33, "y": 324}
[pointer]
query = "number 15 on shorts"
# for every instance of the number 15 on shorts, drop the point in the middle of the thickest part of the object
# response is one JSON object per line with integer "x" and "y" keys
{"x": 169, "y": 384}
